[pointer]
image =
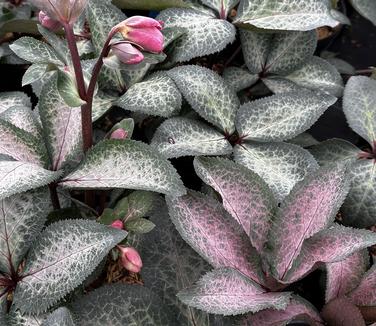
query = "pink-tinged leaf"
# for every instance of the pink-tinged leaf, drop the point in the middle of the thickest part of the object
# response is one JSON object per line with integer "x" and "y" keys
{"x": 365, "y": 293}
{"x": 342, "y": 312}
{"x": 227, "y": 292}
{"x": 328, "y": 246}
{"x": 62, "y": 126}
{"x": 310, "y": 207}
{"x": 21, "y": 145}
{"x": 345, "y": 275}
{"x": 214, "y": 234}
{"x": 245, "y": 195}
{"x": 298, "y": 309}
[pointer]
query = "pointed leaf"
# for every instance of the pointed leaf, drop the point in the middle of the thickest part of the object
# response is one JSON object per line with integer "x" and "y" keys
{"x": 298, "y": 308}
{"x": 345, "y": 275}
{"x": 21, "y": 145}
{"x": 170, "y": 265}
{"x": 67, "y": 87}
{"x": 359, "y": 208}
{"x": 281, "y": 165}
{"x": 318, "y": 74}
{"x": 59, "y": 44}
{"x": 125, "y": 164}
{"x": 16, "y": 318}
{"x": 310, "y": 207}
{"x": 328, "y": 246}
{"x": 101, "y": 104}
{"x": 208, "y": 94}
{"x": 364, "y": 294}
{"x": 22, "y": 217}
{"x": 304, "y": 140}
{"x": 9, "y": 99}
{"x": 18, "y": 176}
{"x": 255, "y": 46}
{"x": 205, "y": 34}
{"x": 290, "y": 51}
{"x": 359, "y": 103}
{"x": 34, "y": 73}
{"x": 282, "y": 116}
{"x": 279, "y": 85}
{"x": 157, "y": 95}
{"x": 367, "y": 8}
{"x": 61, "y": 258}
{"x": 178, "y": 137}
{"x": 334, "y": 150}
{"x": 214, "y": 234}
{"x": 221, "y": 6}
{"x": 60, "y": 317}
{"x": 24, "y": 118}
{"x": 285, "y": 14}
{"x": 62, "y": 126}
{"x": 245, "y": 195}
{"x": 30, "y": 49}
{"x": 125, "y": 304}
{"x": 238, "y": 78}
{"x": 227, "y": 292}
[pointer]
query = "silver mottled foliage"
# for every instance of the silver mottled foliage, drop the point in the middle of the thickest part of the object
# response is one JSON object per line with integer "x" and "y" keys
{"x": 102, "y": 16}
{"x": 286, "y": 14}
{"x": 282, "y": 116}
{"x": 364, "y": 294}
{"x": 22, "y": 217}
{"x": 16, "y": 318}
{"x": 21, "y": 145}
{"x": 318, "y": 74}
{"x": 34, "y": 73}
{"x": 179, "y": 136}
{"x": 9, "y": 99}
{"x": 62, "y": 127}
{"x": 289, "y": 51}
{"x": 245, "y": 195}
{"x": 278, "y": 85}
{"x": 227, "y": 292}
{"x": 221, "y": 6}
{"x": 101, "y": 104}
{"x": 281, "y": 165}
{"x": 24, "y": 118}
{"x": 120, "y": 305}
{"x": 59, "y": 44}
{"x": 18, "y": 177}
{"x": 60, "y": 317}
{"x": 205, "y": 34}
{"x": 60, "y": 259}
{"x": 171, "y": 265}
{"x": 30, "y": 49}
{"x": 157, "y": 95}
{"x": 303, "y": 140}
{"x": 366, "y": 8}
{"x": 239, "y": 78}
{"x": 208, "y": 94}
{"x": 125, "y": 164}
{"x": 359, "y": 103}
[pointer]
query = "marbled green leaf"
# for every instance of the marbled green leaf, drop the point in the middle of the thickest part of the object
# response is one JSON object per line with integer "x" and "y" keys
{"x": 239, "y": 78}
{"x": 9, "y": 99}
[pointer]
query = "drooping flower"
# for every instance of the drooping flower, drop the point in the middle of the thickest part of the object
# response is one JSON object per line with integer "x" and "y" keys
{"x": 63, "y": 11}
{"x": 130, "y": 259}
{"x": 48, "y": 22}
{"x": 142, "y": 31}
{"x": 127, "y": 53}
{"x": 119, "y": 134}
{"x": 117, "y": 224}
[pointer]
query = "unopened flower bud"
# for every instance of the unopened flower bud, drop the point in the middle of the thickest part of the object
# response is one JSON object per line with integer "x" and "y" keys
{"x": 143, "y": 31}
{"x": 127, "y": 53}
{"x": 117, "y": 224}
{"x": 130, "y": 259}
{"x": 63, "y": 11}
{"x": 119, "y": 134}
{"x": 49, "y": 23}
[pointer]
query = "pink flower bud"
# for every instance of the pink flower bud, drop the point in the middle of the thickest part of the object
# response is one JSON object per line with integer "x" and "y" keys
{"x": 127, "y": 53}
{"x": 63, "y": 11}
{"x": 48, "y": 22}
{"x": 119, "y": 134}
{"x": 143, "y": 31}
{"x": 130, "y": 259}
{"x": 117, "y": 224}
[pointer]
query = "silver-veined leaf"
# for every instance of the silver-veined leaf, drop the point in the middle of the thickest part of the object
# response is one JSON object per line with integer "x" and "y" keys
{"x": 367, "y": 8}
{"x": 9, "y": 99}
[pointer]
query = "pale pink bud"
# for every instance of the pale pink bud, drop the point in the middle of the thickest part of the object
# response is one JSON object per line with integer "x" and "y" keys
{"x": 143, "y": 31}
{"x": 127, "y": 53}
{"x": 117, "y": 224}
{"x": 130, "y": 259}
{"x": 119, "y": 134}
{"x": 48, "y": 22}
{"x": 64, "y": 11}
